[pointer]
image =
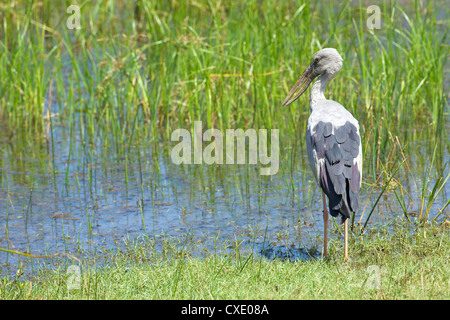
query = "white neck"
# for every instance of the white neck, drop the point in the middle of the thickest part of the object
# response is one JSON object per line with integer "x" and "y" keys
{"x": 318, "y": 89}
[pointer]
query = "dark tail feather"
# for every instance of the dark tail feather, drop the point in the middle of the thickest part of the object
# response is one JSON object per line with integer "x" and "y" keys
{"x": 337, "y": 204}
{"x": 341, "y": 207}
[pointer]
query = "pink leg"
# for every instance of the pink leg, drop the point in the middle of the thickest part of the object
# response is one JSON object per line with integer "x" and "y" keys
{"x": 346, "y": 239}
{"x": 325, "y": 226}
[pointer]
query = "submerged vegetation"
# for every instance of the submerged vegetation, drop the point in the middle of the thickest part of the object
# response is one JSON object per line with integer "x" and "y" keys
{"x": 142, "y": 69}
{"x": 86, "y": 116}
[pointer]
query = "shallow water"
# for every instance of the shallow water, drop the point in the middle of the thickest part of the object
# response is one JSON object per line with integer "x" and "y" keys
{"x": 97, "y": 200}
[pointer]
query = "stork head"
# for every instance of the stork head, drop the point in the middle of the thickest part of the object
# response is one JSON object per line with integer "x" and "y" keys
{"x": 326, "y": 62}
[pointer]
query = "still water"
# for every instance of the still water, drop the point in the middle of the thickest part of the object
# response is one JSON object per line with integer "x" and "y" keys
{"x": 77, "y": 196}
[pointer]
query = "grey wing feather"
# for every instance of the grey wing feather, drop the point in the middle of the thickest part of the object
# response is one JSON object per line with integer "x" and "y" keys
{"x": 339, "y": 175}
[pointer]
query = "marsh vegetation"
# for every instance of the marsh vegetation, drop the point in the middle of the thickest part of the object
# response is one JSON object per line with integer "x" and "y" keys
{"x": 86, "y": 117}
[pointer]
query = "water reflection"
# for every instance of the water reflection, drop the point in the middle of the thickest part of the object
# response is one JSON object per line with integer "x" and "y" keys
{"x": 83, "y": 195}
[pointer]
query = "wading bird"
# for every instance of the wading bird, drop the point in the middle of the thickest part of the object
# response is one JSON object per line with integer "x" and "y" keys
{"x": 333, "y": 142}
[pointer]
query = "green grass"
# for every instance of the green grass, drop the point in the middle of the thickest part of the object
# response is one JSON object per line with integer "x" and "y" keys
{"x": 114, "y": 91}
{"x": 141, "y": 69}
{"x": 410, "y": 265}
{"x": 138, "y": 70}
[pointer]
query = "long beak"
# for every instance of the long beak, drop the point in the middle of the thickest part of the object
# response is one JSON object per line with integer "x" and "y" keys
{"x": 301, "y": 85}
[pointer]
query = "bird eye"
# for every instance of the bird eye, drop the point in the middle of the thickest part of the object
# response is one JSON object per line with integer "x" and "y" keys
{"x": 316, "y": 60}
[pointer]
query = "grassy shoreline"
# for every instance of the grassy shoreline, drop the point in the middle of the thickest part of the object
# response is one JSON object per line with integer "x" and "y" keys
{"x": 83, "y": 110}
{"x": 397, "y": 265}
